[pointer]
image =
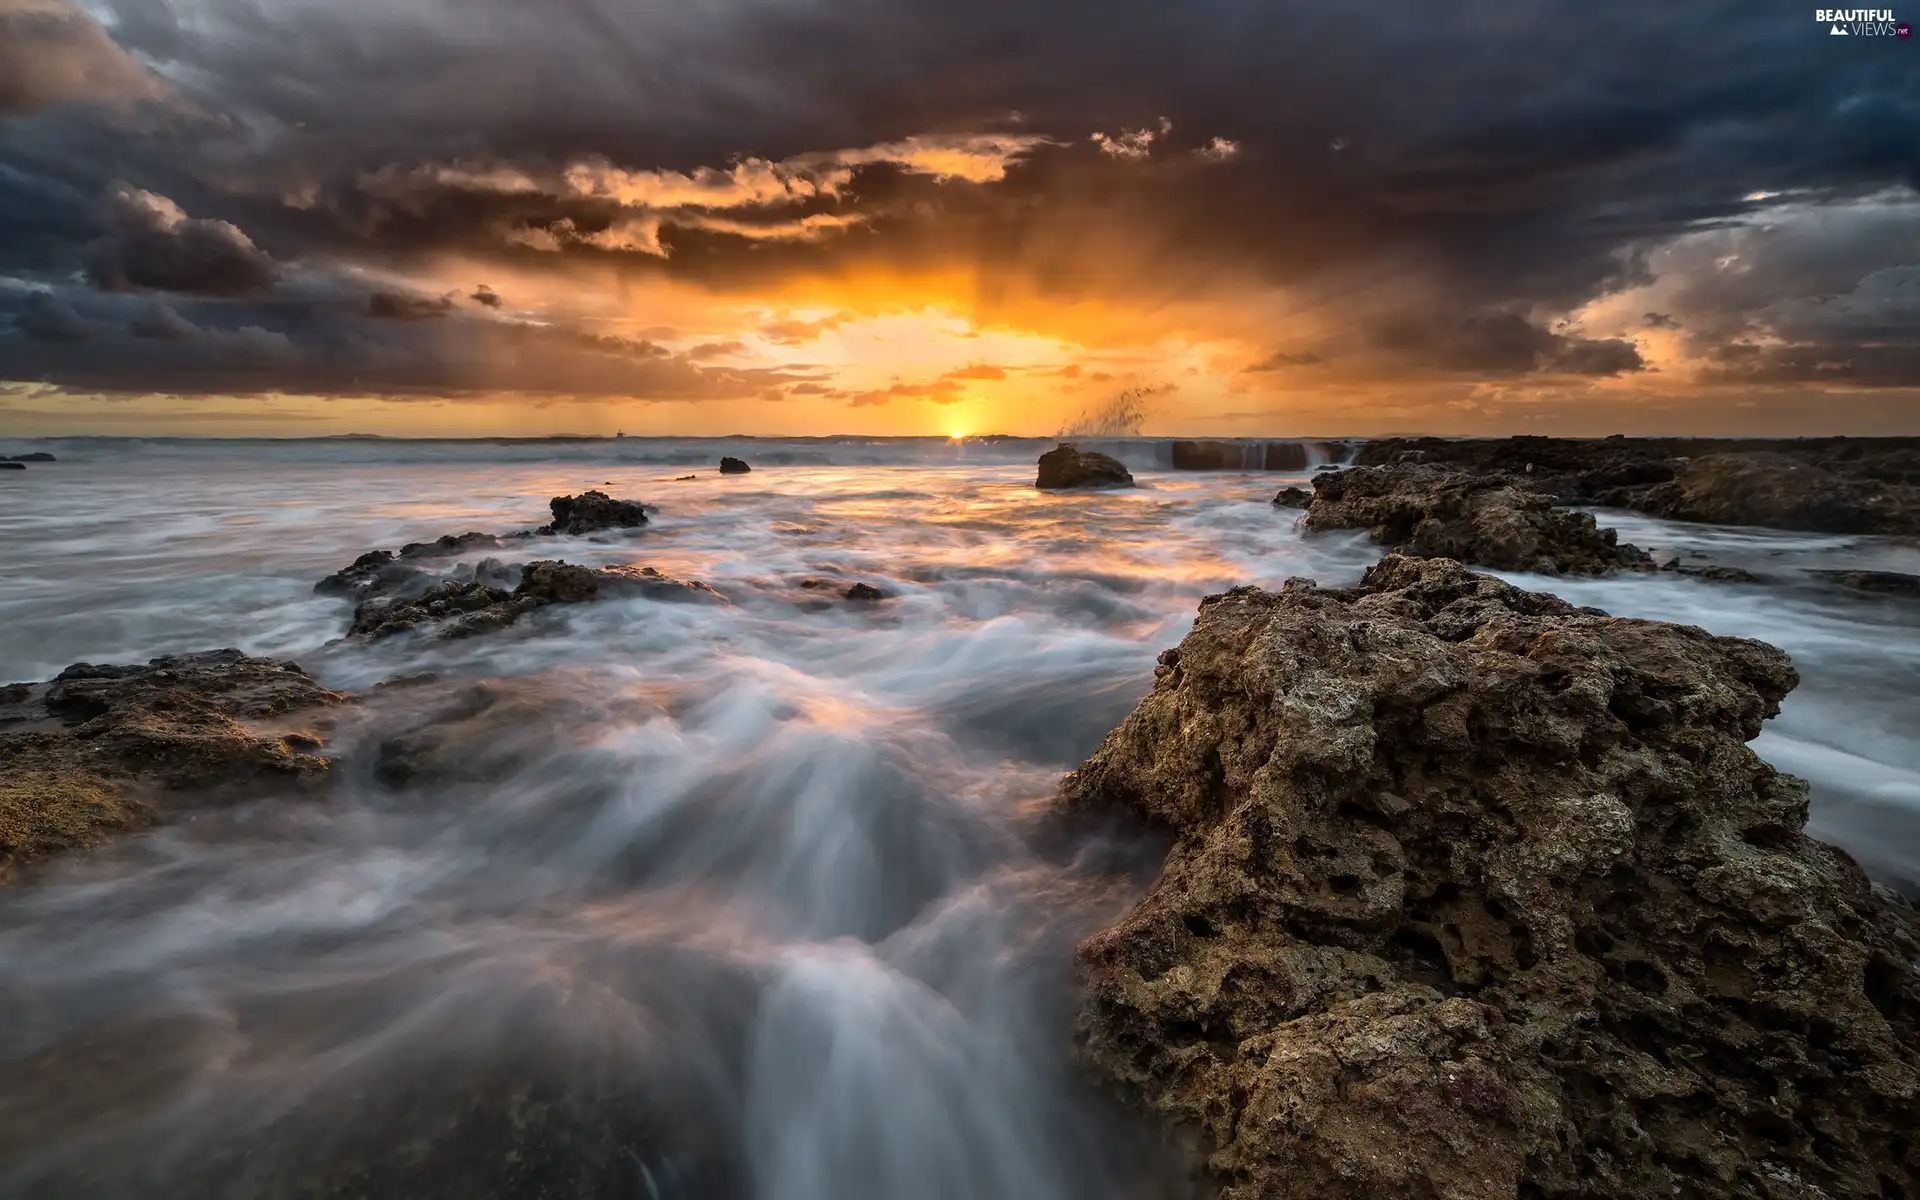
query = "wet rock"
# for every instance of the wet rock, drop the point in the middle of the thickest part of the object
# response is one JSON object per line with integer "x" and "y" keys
{"x": 39, "y": 456}
{"x": 684, "y": 478}
{"x": 1067, "y": 466}
{"x": 1474, "y": 895}
{"x": 460, "y": 608}
{"x": 12, "y": 466}
{"x": 391, "y": 573}
{"x": 105, "y": 748}
{"x": 591, "y": 512}
{"x": 1490, "y": 520}
{"x": 866, "y": 591}
{"x": 1293, "y": 497}
{"x": 1882, "y": 583}
{"x": 1713, "y": 574}
{"x": 1780, "y": 492}
{"x": 1574, "y": 470}
{"x": 733, "y": 466}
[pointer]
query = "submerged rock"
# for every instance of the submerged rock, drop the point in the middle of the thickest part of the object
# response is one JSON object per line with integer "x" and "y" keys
{"x": 591, "y": 512}
{"x": 462, "y": 608}
{"x": 1710, "y": 573}
{"x": 1068, "y": 466}
{"x": 12, "y": 466}
{"x": 866, "y": 591}
{"x": 105, "y": 748}
{"x": 1491, "y": 520}
{"x": 1882, "y": 583}
{"x": 39, "y": 456}
{"x": 388, "y": 572}
{"x": 733, "y": 466}
{"x": 1475, "y": 895}
{"x": 1780, "y": 492}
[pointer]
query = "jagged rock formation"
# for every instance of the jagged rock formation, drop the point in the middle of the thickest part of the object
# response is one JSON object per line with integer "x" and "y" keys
{"x": 105, "y": 748}
{"x": 733, "y": 466}
{"x": 866, "y": 591}
{"x": 1476, "y": 895}
{"x": 1067, "y": 466}
{"x": 386, "y": 572}
{"x": 1490, "y": 520}
{"x": 459, "y": 608}
{"x": 592, "y": 512}
{"x": 1782, "y": 493}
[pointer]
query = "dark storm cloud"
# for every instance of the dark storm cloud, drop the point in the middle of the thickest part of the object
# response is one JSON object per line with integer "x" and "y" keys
{"x": 151, "y": 243}
{"x": 395, "y": 306}
{"x": 1474, "y": 158}
{"x": 322, "y": 344}
{"x": 47, "y": 318}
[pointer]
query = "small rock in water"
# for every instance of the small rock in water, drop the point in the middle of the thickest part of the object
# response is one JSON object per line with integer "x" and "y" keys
{"x": 1883, "y": 583}
{"x": 1067, "y": 466}
{"x": 866, "y": 591}
{"x": 12, "y": 466}
{"x": 733, "y": 466}
{"x": 1293, "y": 497}
{"x": 684, "y": 478}
{"x": 591, "y": 512}
{"x": 40, "y": 456}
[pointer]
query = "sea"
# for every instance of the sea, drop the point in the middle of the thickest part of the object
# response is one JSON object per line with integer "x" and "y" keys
{"x": 767, "y": 889}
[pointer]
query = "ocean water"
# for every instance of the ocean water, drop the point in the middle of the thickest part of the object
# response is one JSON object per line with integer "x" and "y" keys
{"x": 763, "y": 889}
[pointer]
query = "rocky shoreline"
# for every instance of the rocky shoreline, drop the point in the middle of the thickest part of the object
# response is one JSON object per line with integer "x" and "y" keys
{"x": 1473, "y": 893}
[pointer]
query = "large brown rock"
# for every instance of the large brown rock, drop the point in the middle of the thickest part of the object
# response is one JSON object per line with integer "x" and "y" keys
{"x": 1782, "y": 492}
{"x": 1491, "y": 520}
{"x": 100, "y": 749}
{"x": 1067, "y": 466}
{"x": 1476, "y": 895}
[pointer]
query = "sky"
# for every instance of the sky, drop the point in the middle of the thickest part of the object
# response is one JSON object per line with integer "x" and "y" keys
{"x": 1248, "y": 217}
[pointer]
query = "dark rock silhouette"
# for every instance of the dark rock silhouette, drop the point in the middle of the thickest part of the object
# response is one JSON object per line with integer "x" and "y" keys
{"x": 733, "y": 466}
{"x": 592, "y": 512}
{"x": 1293, "y": 497}
{"x": 866, "y": 591}
{"x": 1067, "y": 466}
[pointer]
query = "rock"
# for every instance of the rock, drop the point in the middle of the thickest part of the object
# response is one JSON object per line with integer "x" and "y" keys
{"x": 1293, "y": 497}
{"x": 1574, "y": 470}
{"x": 1711, "y": 573}
{"x": 105, "y": 748}
{"x": 466, "y": 607}
{"x": 462, "y": 608}
{"x": 1491, "y": 520}
{"x": 684, "y": 478}
{"x": 1884, "y": 583}
{"x": 1238, "y": 456}
{"x": 387, "y": 573}
{"x": 1474, "y": 895}
{"x": 733, "y": 466}
{"x": 866, "y": 591}
{"x": 1780, "y": 492}
{"x": 591, "y": 512}
{"x": 12, "y": 466}
{"x": 1068, "y": 466}
{"x": 39, "y": 456}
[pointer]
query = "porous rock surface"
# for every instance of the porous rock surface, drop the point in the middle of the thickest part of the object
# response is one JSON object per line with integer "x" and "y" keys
{"x": 591, "y": 512}
{"x": 388, "y": 572}
{"x": 1477, "y": 895}
{"x": 1491, "y": 520}
{"x": 105, "y": 748}
{"x": 1067, "y": 466}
